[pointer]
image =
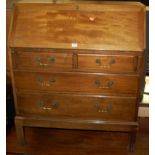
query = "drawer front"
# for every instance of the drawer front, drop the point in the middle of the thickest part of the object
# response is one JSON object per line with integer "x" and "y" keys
{"x": 42, "y": 60}
{"x": 75, "y": 82}
{"x": 93, "y": 107}
{"x": 108, "y": 63}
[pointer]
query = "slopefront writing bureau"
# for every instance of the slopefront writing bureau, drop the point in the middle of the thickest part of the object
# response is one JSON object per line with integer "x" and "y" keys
{"x": 78, "y": 66}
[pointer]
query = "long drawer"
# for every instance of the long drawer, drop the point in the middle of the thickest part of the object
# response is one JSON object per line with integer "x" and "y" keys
{"x": 80, "y": 106}
{"x": 77, "y": 82}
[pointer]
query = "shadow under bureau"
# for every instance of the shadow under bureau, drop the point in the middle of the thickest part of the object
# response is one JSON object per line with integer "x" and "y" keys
{"x": 78, "y": 66}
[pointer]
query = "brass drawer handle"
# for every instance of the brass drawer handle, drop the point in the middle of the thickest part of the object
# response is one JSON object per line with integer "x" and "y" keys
{"x": 46, "y": 108}
{"x": 107, "y": 85}
{"x": 54, "y": 105}
{"x": 50, "y": 59}
{"x": 111, "y": 61}
{"x": 105, "y": 66}
{"x": 100, "y": 109}
{"x": 42, "y": 82}
{"x": 43, "y": 65}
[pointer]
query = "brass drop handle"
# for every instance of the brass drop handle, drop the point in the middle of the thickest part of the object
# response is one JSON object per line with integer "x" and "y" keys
{"x": 54, "y": 105}
{"x": 46, "y": 108}
{"x": 50, "y": 59}
{"x": 38, "y": 59}
{"x": 43, "y": 65}
{"x": 111, "y": 61}
{"x": 42, "y": 82}
{"x": 107, "y": 85}
{"x": 100, "y": 109}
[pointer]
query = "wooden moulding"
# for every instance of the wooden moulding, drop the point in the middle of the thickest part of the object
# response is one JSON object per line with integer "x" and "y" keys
{"x": 71, "y": 123}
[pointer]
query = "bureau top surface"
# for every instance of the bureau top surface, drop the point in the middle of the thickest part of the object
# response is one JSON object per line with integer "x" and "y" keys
{"x": 79, "y": 26}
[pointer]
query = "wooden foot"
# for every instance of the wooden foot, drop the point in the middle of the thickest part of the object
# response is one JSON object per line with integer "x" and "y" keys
{"x": 20, "y": 131}
{"x": 132, "y": 141}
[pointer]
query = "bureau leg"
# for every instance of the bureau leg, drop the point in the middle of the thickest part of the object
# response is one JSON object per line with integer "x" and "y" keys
{"x": 20, "y": 132}
{"x": 132, "y": 141}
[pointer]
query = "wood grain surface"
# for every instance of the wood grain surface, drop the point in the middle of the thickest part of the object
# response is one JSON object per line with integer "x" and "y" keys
{"x": 77, "y": 106}
{"x": 77, "y": 82}
{"x": 108, "y": 63}
{"x": 74, "y": 60}
{"x": 42, "y": 60}
{"x": 79, "y": 26}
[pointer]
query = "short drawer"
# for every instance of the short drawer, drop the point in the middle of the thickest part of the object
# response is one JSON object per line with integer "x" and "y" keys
{"x": 108, "y": 63}
{"x": 42, "y": 60}
{"x": 79, "y": 106}
{"x": 77, "y": 82}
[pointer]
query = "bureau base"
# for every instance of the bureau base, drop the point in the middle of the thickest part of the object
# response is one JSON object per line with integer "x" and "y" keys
{"x": 74, "y": 123}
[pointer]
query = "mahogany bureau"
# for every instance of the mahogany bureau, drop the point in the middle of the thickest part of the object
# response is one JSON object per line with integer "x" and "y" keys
{"x": 78, "y": 66}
